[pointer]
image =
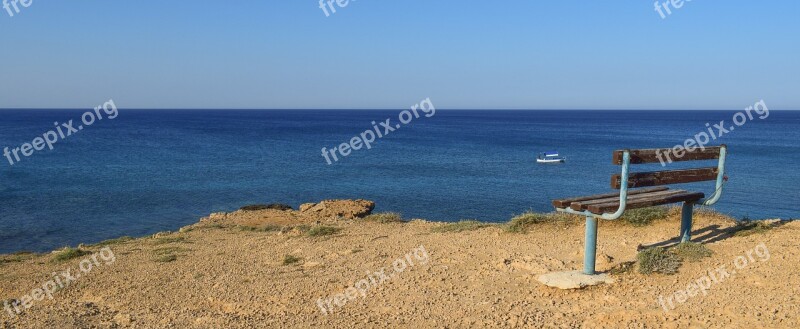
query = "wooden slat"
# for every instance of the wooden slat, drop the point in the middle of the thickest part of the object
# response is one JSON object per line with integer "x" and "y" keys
{"x": 652, "y": 155}
{"x": 566, "y": 202}
{"x": 584, "y": 205}
{"x": 656, "y": 178}
{"x": 647, "y": 202}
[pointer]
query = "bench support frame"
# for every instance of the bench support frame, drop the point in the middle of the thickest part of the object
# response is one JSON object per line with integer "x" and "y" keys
{"x": 590, "y": 250}
{"x": 686, "y": 222}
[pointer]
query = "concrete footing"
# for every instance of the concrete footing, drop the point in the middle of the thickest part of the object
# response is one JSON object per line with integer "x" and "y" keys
{"x": 573, "y": 279}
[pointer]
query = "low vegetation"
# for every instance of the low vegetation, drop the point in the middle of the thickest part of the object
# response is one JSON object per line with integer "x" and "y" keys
{"x": 166, "y": 258}
{"x": 668, "y": 260}
{"x": 748, "y": 227}
{"x": 289, "y": 260}
{"x": 524, "y": 222}
{"x": 644, "y": 216}
{"x": 266, "y": 228}
{"x": 274, "y": 206}
{"x": 69, "y": 253}
{"x": 16, "y": 257}
{"x": 706, "y": 212}
{"x": 318, "y": 231}
{"x": 168, "y": 254}
{"x": 692, "y": 251}
{"x": 622, "y": 268}
{"x": 385, "y": 217}
{"x": 658, "y": 260}
{"x": 113, "y": 241}
{"x": 461, "y": 226}
{"x": 170, "y": 239}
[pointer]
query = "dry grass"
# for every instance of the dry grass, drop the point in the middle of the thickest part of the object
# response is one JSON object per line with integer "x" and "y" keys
{"x": 749, "y": 227}
{"x": 667, "y": 261}
{"x": 168, "y": 254}
{"x": 289, "y": 260}
{"x": 622, "y": 268}
{"x": 461, "y": 226}
{"x": 17, "y": 257}
{"x": 170, "y": 239}
{"x": 658, "y": 260}
{"x": 524, "y": 222}
{"x": 645, "y": 216}
{"x": 385, "y": 217}
{"x": 69, "y": 253}
{"x": 691, "y": 251}
{"x": 265, "y": 228}
{"x": 318, "y": 231}
{"x": 113, "y": 241}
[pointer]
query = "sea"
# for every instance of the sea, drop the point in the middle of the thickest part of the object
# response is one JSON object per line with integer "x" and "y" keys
{"x": 146, "y": 171}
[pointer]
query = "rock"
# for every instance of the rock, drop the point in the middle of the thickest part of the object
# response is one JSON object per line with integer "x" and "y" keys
{"x": 347, "y": 209}
{"x": 306, "y": 206}
{"x": 161, "y": 234}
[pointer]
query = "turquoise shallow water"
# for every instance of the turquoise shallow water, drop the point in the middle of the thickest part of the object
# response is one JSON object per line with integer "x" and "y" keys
{"x": 149, "y": 171}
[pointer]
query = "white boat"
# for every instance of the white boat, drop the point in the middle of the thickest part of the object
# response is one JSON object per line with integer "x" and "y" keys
{"x": 550, "y": 157}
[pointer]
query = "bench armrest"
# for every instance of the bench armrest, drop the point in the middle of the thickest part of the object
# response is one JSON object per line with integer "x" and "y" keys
{"x": 723, "y": 152}
{"x": 623, "y": 191}
{"x": 623, "y": 194}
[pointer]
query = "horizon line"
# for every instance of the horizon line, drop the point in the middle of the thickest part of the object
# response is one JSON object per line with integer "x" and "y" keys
{"x": 363, "y": 109}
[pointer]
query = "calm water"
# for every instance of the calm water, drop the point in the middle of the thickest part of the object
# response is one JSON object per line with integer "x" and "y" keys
{"x": 149, "y": 171}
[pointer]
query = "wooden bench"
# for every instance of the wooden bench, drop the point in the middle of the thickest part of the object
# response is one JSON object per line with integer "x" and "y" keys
{"x": 646, "y": 189}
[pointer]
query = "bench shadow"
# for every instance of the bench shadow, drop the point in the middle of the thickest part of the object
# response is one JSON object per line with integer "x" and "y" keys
{"x": 710, "y": 234}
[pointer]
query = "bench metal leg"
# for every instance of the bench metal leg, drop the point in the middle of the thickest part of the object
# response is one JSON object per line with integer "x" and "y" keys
{"x": 686, "y": 221}
{"x": 591, "y": 246}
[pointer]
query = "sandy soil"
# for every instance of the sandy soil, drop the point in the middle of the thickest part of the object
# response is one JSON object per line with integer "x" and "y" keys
{"x": 226, "y": 277}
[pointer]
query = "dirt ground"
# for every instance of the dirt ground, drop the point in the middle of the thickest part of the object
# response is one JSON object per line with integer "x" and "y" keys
{"x": 276, "y": 274}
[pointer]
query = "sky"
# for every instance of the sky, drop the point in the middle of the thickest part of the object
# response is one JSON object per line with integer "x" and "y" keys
{"x": 378, "y": 54}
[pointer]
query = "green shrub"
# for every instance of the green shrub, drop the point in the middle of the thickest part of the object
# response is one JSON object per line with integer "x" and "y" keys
{"x": 385, "y": 217}
{"x": 461, "y": 226}
{"x": 658, "y": 260}
{"x": 644, "y": 216}
{"x": 322, "y": 231}
{"x": 522, "y": 223}
{"x": 749, "y": 227}
{"x": 69, "y": 253}
{"x": 691, "y": 251}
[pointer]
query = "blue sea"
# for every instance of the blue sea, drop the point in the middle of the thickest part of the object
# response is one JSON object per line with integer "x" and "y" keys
{"x": 148, "y": 171}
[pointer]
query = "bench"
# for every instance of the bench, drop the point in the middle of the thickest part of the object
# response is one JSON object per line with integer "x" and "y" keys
{"x": 646, "y": 189}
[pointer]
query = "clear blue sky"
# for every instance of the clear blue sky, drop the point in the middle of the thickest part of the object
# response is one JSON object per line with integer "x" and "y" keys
{"x": 392, "y": 54}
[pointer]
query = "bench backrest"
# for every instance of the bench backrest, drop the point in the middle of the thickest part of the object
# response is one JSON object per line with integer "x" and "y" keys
{"x": 666, "y": 177}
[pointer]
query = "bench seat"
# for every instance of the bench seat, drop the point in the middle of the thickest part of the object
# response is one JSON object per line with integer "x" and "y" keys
{"x": 637, "y": 198}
